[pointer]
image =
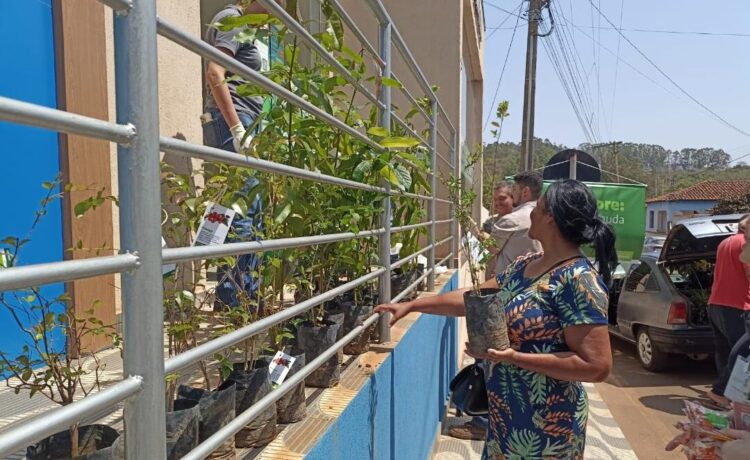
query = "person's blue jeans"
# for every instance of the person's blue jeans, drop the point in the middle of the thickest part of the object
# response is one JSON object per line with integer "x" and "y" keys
{"x": 243, "y": 276}
{"x": 740, "y": 348}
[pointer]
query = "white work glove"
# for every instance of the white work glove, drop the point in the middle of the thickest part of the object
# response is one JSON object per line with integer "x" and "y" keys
{"x": 242, "y": 141}
{"x": 736, "y": 450}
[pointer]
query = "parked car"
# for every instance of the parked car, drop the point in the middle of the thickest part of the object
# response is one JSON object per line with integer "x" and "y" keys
{"x": 653, "y": 243}
{"x": 660, "y": 302}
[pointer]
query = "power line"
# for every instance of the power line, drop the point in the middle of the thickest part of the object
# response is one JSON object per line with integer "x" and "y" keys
{"x": 580, "y": 87}
{"x": 617, "y": 68}
{"x": 502, "y": 72}
{"x": 503, "y": 9}
{"x": 664, "y": 74}
{"x": 500, "y": 26}
{"x": 671, "y": 32}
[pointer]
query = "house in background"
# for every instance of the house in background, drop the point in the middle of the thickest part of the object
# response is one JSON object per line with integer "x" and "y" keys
{"x": 664, "y": 211}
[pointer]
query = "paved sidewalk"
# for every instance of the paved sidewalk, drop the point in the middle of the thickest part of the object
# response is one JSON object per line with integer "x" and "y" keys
{"x": 604, "y": 439}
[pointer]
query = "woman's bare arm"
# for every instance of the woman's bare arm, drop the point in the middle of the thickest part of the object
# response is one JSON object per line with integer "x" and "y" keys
{"x": 450, "y": 304}
{"x": 590, "y": 358}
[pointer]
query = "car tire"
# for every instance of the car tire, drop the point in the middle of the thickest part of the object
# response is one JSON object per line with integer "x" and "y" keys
{"x": 651, "y": 358}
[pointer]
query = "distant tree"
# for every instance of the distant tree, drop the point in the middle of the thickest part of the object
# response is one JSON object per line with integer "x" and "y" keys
{"x": 735, "y": 205}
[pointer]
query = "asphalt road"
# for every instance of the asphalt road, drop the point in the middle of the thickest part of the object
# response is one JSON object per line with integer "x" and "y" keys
{"x": 647, "y": 405}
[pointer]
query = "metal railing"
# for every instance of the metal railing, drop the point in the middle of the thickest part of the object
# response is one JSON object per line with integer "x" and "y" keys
{"x": 137, "y": 133}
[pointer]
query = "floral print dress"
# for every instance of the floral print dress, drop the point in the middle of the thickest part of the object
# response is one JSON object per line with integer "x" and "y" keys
{"x": 533, "y": 416}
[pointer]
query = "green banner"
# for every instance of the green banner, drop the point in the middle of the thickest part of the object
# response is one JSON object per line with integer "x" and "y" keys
{"x": 623, "y": 206}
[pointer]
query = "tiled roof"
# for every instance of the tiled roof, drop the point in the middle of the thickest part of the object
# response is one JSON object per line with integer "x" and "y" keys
{"x": 710, "y": 190}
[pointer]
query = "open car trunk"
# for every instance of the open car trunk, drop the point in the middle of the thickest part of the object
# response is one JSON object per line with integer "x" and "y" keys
{"x": 693, "y": 280}
{"x": 689, "y": 257}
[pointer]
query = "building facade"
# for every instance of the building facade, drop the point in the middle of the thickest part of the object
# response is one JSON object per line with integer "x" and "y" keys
{"x": 662, "y": 212}
{"x": 67, "y": 62}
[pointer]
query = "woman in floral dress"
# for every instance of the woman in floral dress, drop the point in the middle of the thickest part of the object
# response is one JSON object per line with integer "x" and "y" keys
{"x": 555, "y": 304}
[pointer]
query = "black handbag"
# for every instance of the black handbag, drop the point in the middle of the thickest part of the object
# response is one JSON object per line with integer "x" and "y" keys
{"x": 469, "y": 391}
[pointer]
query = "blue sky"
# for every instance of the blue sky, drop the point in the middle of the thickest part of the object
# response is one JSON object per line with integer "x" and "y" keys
{"x": 714, "y": 69}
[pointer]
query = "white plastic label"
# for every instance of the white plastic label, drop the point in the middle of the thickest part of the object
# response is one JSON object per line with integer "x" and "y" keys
{"x": 279, "y": 367}
{"x": 738, "y": 388}
{"x": 215, "y": 225}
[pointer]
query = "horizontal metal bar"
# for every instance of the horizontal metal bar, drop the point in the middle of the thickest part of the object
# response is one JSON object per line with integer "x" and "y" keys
{"x": 169, "y": 144}
{"x": 444, "y": 221}
{"x": 356, "y": 31}
{"x": 447, "y": 142}
{"x": 27, "y": 432}
{"x": 207, "y": 349}
{"x": 241, "y": 420}
{"x": 442, "y": 158}
{"x": 411, "y": 287}
{"x": 405, "y": 228}
{"x": 441, "y": 200}
{"x": 413, "y": 100}
{"x": 445, "y": 259}
{"x": 409, "y": 258}
{"x": 185, "y": 254}
{"x": 443, "y": 241}
{"x": 212, "y": 54}
{"x": 38, "y": 274}
{"x": 119, "y": 6}
{"x": 408, "y": 129}
{"x": 25, "y": 113}
{"x": 277, "y": 10}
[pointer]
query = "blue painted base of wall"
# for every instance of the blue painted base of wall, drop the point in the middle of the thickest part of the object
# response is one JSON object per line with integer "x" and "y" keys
{"x": 397, "y": 412}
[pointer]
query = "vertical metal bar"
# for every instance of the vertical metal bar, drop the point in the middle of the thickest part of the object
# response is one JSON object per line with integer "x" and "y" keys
{"x": 384, "y": 243}
{"x": 140, "y": 229}
{"x": 456, "y": 165}
{"x": 432, "y": 204}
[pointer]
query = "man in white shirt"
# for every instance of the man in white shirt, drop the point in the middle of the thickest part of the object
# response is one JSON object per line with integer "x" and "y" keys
{"x": 511, "y": 232}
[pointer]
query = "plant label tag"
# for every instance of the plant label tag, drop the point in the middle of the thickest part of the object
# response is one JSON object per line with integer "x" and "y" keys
{"x": 738, "y": 388}
{"x": 215, "y": 225}
{"x": 166, "y": 269}
{"x": 279, "y": 367}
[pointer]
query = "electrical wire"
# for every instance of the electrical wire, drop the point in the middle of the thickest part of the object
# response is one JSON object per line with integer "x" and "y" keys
{"x": 672, "y": 32}
{"x": 671, "y": 80}
{"x": 503, "y": 9}
{"x": 571, "y": 59}
{"x": 617, "y": 68}
{"x": 502, "y": 72}
{"x": 500, "y": 26}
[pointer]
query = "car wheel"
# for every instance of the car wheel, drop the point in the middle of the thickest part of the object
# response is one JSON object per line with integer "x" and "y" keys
{"x": 651, "y": 358}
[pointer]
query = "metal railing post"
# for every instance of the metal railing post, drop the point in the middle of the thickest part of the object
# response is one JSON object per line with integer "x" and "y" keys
{"x": 140, "y": 228}
{"x": 432, "y": 213}
{"x": 384, "y": 242}
{"x": 456, "y": 166}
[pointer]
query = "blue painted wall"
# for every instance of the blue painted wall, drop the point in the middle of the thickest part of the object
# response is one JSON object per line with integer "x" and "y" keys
{"x": 397, "y": 412}
{"x": 30, "y": 155}
{"x": 672, "y": 207}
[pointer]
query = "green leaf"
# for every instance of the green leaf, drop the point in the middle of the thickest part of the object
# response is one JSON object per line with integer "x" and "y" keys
{"x": 362, "y": 169}
{"x": 404, "y": 177}
{"x": 378, "y": 131}
{"x": 81, "y": 208}
{"x": 399, "y": 142}
{"x": 389, "y": 174}
{"x": 391, "y": 82}
{"x": 283, "y": 213}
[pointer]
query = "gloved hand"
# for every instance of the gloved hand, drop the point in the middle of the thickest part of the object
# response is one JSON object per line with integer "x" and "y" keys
{"x": 242, "y": 141}
{"x": 736, "y": 450}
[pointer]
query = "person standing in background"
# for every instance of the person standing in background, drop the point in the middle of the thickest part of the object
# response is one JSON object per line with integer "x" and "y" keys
{"x": 226, "y": 121}
{"x": 511, "y": 232}
{"x": 502, "y": 205}
{"x": 728, "y": 307}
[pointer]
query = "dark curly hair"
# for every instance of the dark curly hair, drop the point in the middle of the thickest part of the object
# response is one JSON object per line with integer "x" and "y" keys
{"x": 573, "y": 207}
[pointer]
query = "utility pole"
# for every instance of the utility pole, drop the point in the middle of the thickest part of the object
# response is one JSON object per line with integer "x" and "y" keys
{"x": 527, "y": 133}
{"x": 614, "y": 152}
